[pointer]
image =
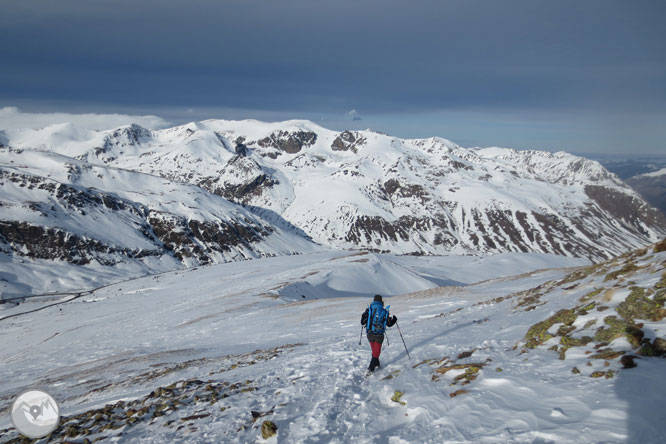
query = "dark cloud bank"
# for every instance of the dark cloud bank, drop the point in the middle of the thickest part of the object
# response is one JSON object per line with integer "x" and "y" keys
{"x": 572, "y": 75}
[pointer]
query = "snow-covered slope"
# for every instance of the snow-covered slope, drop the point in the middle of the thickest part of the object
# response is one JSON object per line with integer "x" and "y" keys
{"x": 216, "y": 353}
{"x": 57, "y": 213}
{"x": 365, "y": 190}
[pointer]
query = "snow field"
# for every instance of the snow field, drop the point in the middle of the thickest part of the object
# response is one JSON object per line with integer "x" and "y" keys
{"x": 222, "y": 323}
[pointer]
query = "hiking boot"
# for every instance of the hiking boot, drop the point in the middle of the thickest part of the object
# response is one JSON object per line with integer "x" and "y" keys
{"x": 374, "y": 363}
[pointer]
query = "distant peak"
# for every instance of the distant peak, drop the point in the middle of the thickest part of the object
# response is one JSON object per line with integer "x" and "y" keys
{"x": 134, "y": 133}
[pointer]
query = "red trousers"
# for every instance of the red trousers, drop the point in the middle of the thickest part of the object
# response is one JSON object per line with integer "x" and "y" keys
{"x": 376, "y": 349}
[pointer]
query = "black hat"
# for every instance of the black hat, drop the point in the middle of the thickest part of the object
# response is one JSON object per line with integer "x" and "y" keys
{"x": 378, "y": 298}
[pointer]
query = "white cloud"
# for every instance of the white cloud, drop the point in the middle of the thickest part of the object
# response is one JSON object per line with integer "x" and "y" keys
{"x": 353, "y": 115}
{"x": 13, "y": 118}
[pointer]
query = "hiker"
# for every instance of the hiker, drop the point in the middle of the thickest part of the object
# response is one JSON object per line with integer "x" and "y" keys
{"x": 376, "y": 318}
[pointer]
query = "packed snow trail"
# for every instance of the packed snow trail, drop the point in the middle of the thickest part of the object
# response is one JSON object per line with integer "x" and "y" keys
{"x": 173, "y": 365}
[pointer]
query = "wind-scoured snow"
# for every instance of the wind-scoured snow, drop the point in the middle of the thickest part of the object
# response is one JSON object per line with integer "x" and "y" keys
{"x": 209, "y": 354}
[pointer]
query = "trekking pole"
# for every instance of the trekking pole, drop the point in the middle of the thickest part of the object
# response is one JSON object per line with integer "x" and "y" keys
{"x": 403, "y": 339}
{"x": 361, "y": 335}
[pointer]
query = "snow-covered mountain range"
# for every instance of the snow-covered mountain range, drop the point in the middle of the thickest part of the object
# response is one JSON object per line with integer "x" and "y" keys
{"x": 152, "y": 200}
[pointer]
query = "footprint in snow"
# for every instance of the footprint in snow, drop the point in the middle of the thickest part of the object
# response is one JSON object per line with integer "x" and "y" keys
{"x": 558, "y": 413}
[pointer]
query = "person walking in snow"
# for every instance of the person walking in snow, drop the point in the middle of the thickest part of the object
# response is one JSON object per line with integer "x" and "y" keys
{"x": 376, "y": 318}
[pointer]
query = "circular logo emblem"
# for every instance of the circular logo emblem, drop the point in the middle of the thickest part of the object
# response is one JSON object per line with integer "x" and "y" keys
{"x": 35, "y": 414}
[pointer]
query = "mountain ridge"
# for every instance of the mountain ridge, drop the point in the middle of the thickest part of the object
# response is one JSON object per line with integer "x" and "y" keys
{"x": 264, "y": 164}
{"x": 307, "y": 188}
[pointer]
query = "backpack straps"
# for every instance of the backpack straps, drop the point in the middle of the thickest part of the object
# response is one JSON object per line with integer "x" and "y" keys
{"x": 373, "y": 308}
{"x": 388, "y": 314}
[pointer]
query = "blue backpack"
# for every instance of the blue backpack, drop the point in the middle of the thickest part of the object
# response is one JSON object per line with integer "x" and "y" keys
{"x": 377, "y": 317}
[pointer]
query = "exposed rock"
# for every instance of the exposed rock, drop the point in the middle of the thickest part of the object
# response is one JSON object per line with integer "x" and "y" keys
{"x": 647, "y": 349}
{"x": 627, "y": 269}
{"x": 396, "y": 397}
{"x": 289, "y": 142}
{"x": 110, "y": 421}
{"x": 197, "y": 239}
{"x": 638, "y": 306}
{"x": 607, "y": 353}
{"x": 244, "y": 192}
{"x": 616, "y": 328}
{"x": 241, "y": 149}
{"x": 470, "y": 374}
{"x": 132, "y": 135}
{"x": 609, "y": 374}
{"x": 538, "y": 333}
{"x": 466, "y": 354}
{"x": 393, "y": 188}
{"x": 627, "y": 361}
{"x": 457, "y": 393}
{"x": 625, "y": 207}
{"x": 268, "y": 429}
{"x": 256, "y": 415}
{"x": 37, "y": 242}
{"x": 660, "y": 246}
{"x": 348, "y": 140}
{"x": 569, "y": 341}
{"x": 368, "y": 229}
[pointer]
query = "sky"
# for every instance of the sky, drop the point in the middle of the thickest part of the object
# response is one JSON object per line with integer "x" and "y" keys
{"x": 580, "y": 76}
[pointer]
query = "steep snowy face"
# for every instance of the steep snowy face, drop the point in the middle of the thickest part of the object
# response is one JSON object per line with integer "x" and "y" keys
{"x": 58, "y": 208}
{"x": 366, "y": 190}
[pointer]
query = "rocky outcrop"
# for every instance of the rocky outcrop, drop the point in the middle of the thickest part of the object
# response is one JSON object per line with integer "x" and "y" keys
{"x": 393, "y": 187}
{"x": 241, "y": 181}
{"x": 289, "y": 142}
{"x": 38, "y": 242}
{"x": 614, "y": 308}
{"x": 243, "y": 193}
{"x": 62, "y": 223}
{"x": 131, "y": 135}
{"x": 629, "y": 209}
{"x": 348, "y": 140}
{"x": 373, "y": 230}
{"x": 195, "y": 240}
{"x": 71, "y": 198}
